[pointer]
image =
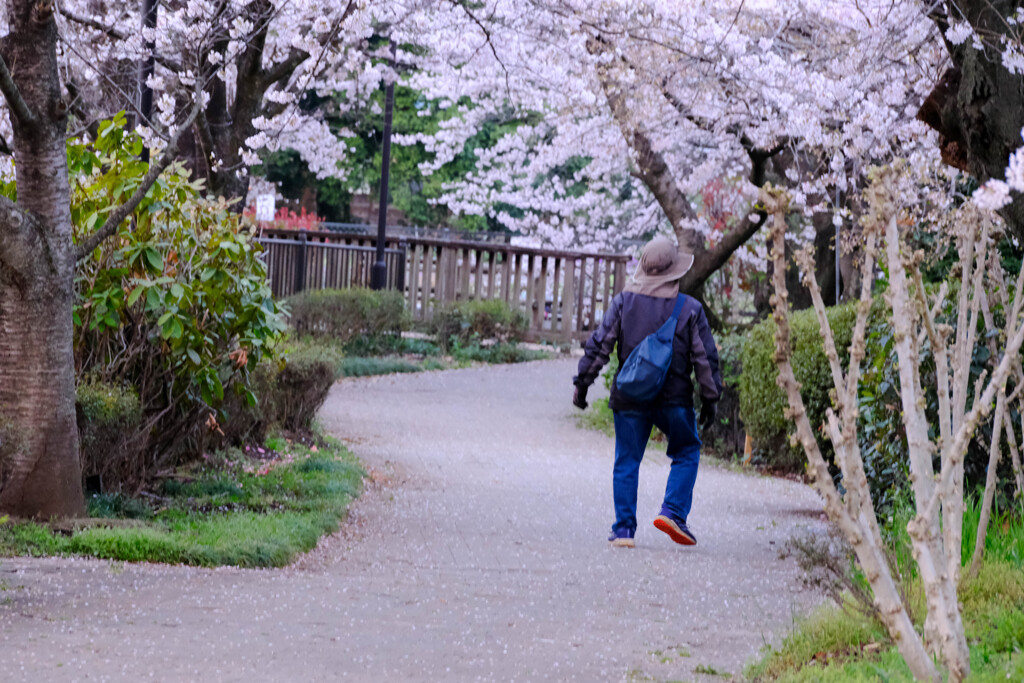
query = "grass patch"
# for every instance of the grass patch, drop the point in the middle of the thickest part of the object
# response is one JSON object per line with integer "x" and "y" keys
{"x": 246, "y": 512}
{"x": 367, "y": 366}
{"x": 840, "y": 645}
{"x": 599, "y": 417}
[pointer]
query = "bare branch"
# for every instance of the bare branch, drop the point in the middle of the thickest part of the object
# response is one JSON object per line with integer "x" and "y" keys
{"x": 117, "y": 35}
{"x": 283, "y": 70}
{"x": 13, "y": 96}
{"x": 890, "y": 608}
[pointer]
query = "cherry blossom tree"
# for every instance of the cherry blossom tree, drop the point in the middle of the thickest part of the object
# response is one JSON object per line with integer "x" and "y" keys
{"x": 253, "y": 61}
{"x": 627, "y": 109}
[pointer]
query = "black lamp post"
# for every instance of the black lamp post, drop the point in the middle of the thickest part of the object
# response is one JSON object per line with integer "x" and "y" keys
{"x": 149, "y": 9}
{"x": 379, "y": 272}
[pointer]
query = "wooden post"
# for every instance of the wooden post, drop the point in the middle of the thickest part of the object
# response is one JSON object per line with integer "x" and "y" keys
{"x": 413, "y": 281}
{"x": 467, "y": 271}
{"x": 506, "y": 280}
{"x": 620, "y": 276}
{"x": 568, "y": 300}
{"x": 531, "y": 285}
{"x": 607, "y": 285}
{"x": 300, "y": 263}
{"x": 517, "y": 283}
{"x": 492, "y": 273}
{"x": 479, "y": 272}
{"x": 540, "y": 294}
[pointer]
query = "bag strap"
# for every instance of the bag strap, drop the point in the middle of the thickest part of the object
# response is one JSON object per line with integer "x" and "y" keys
{"x": 673, "y": 319}
{"x": 680, "y": 300}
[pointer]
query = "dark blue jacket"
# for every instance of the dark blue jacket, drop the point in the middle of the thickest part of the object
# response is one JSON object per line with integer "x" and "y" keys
{"x": 629, "y": 319}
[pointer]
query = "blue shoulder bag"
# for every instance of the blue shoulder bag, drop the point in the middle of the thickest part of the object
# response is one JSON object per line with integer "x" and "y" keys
{"x": 643, "y": 373}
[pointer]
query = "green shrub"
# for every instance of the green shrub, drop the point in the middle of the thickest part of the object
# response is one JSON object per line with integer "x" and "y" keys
{"x": 109, "y": 419}
{"x": 881, "y": 433}
{"x": 366, "y": 320}
{"x": 365, "y": 367}
{"x": 498, "y": 353}
{"x": 176, "y": 305}
{"x": 301, "y": 384}
{"x": 248, "y": 411}
{"x": 763, "y": 403}
{"x": 727, "y": 435}
{"x": 468, "y": 322}
{"x": 286, "y": 392}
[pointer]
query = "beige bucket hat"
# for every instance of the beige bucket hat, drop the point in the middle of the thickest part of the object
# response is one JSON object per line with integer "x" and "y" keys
{"x": 660, "y": 268}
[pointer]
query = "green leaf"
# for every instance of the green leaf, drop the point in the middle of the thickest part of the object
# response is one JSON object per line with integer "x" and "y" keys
{"x": 154, "y": 259}
{"x": 135, "y": 295}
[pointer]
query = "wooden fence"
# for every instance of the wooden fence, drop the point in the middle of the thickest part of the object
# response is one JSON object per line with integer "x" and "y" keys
{"x": 295, "y": 265}
{"x": 564, "y": 294}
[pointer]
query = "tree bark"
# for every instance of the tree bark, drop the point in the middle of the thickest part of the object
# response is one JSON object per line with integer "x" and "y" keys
{"x": 978, "y": 106}
{"x": 37, "y": 381}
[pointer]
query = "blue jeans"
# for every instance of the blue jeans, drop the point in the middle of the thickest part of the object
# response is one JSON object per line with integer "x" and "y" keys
{"x": 632, "y": 431}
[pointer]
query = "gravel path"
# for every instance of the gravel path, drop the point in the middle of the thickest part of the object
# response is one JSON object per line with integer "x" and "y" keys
{"x": 477, "y": 553}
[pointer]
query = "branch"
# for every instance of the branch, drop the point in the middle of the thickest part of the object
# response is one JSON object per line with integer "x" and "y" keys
{"x": 717, "y": 257}
{"x": 118, "y": 215}
{"x": 118, "y": 35}
{"x": 13, "y": 96}
{"x": 283, "y": 69}
{"x": 888, "y": 603}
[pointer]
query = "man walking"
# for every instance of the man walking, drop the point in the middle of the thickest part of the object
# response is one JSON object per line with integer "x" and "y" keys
{"x": 648, "y": 302}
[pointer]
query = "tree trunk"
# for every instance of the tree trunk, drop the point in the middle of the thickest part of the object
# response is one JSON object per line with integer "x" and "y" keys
{"x": 978, "y": 106}
{"x": 37, "y": 380}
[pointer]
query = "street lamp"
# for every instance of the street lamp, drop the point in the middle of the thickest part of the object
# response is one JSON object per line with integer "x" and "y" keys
{"x": 379, "y": 272}
{"x": 149, "y": 10}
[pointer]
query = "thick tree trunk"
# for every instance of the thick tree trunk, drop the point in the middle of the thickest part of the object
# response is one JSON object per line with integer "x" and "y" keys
{"x": 37, "y": 381}
{"x": 978, "y": 105}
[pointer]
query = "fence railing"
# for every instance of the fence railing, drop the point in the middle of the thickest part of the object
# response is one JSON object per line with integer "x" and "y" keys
{"x": 295, "y": 265}
{"x": 563, "y": 294}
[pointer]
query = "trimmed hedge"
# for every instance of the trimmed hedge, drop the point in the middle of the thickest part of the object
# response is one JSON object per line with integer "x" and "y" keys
{"x": 727, "y": 436}
{"x": 762, "y": 402}
{"x": 346, "y": 316}
{"x": 288, "y": 393}
{"x": 301, "y": 386}
{"x": 468, "y": 322}
{"x": 110, "y": 442}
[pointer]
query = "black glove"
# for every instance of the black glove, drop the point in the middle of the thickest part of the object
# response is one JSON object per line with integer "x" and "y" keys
{"x": 579, "y": 398}
{"x": 708, "y": 410}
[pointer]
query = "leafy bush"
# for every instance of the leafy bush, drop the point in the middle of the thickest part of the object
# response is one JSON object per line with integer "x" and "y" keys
{"x": 468, "y": 322}
{"x": 762, "y": 402}
{"x": 881, "y": 433}
{"x": 350, "y": 316}
{"x": 498, "y": 353}
{"x": 302, "y": 384}
{"x": 288, "y": 392}
{"x": 176, "y": 305}
{"x": 727, "y": 435}
{"x": 109, "y": 421}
